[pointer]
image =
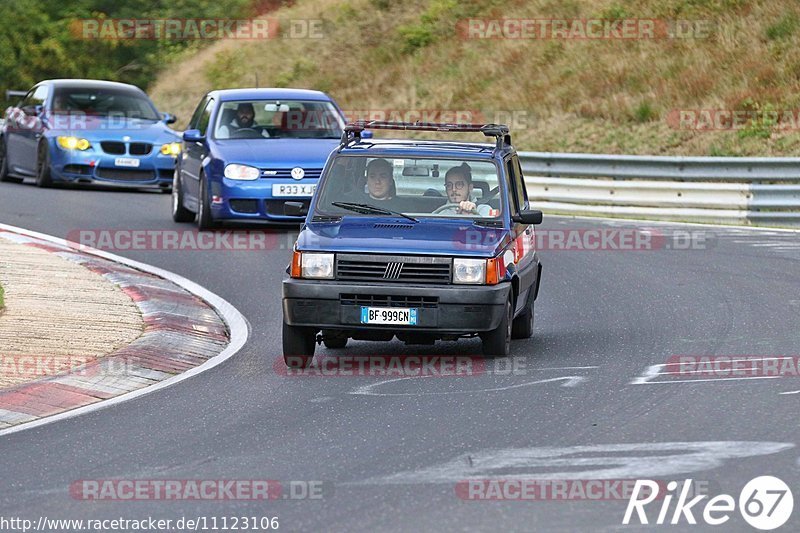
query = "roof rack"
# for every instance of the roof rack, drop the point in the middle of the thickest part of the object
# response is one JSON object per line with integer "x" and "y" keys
{"x": 352, "y": 131}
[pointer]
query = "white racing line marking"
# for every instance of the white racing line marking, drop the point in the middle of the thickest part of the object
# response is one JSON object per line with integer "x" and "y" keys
{"x": 237, "y": 323}
{"x": 599, "y": 461}
{"x": 654, "y": 371}
{"x": 790, "y": 392}
{"x": 367, "y": 390}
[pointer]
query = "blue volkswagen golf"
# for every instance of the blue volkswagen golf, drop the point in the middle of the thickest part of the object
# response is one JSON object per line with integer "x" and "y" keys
{"x": 247, "y": 152}
{"x": 88, "y": 131}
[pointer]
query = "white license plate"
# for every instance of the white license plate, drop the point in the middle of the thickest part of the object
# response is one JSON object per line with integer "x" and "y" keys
{"x": 291, "y": 189}
{"x": 126, "y": 162}
{"x": 388, "y": 315}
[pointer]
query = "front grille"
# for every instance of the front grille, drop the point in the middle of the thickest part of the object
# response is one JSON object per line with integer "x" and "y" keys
{"x": 113, "y": 147}
{"x": 287, "y": 172}
{"x": 278, "y": 207}
{"x": 352, "y": 267}
{"x": 381, "y": 300}
{"x": 125, "y": 174}
{"x": 140, "y": 148}
{"x": 245, "y": 206}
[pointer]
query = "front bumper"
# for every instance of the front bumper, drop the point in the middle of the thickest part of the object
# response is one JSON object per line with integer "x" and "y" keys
{"x": 254, "y": 200}
{"x": 94, "y": 167}
{"x": 442, "y": 309}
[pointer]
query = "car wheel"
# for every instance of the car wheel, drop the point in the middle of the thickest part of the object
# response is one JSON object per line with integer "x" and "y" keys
{"x": 204, "y": 219}
{"x": 179, "y": 213}
{"x": 522, "y": 327}
{"x": 334, "y": 341}
{"x": 4, "y": 164}
{"x": 43, "y": 176}
{"x": 497, "y": 343}
{"x": 298, "y": 346}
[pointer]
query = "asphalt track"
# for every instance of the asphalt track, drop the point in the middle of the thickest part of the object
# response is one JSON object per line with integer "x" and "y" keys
{"x": 585, "y": 402}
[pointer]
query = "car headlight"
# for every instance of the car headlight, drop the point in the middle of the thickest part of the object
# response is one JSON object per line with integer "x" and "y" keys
{"x": 241, "y": 172}
{"x": 73, "y": 143}
{"x": 469, "y": 271}
{"x": 314, "y": 266}
{"x": 173, "y": 149}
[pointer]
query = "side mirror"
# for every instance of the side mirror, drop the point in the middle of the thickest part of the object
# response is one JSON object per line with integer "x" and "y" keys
{"x": 295, "y": 209}
{"x": 528, "y": 216}
{"x": 193, "y": 136}
{"x": 169, "y": 118}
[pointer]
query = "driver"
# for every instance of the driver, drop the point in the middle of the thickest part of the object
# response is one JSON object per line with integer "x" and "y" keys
{"x": 458, "y": 185}
{"x": 244, "y": 119}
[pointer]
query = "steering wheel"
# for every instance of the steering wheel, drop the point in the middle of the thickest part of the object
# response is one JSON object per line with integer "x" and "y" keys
{"x": 249, "y": 132}
{"x": 444, "y": 207}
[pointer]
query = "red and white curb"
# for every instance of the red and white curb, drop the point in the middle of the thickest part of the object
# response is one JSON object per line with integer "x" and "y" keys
{"x": 188, "y": 330}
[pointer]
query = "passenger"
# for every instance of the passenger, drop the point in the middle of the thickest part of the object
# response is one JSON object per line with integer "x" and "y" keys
{"x": 458, "y": 185}
{"x": 380, "y": 181}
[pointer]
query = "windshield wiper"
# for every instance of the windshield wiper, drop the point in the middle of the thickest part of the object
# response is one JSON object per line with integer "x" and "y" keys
{"x": 367, "y": 209}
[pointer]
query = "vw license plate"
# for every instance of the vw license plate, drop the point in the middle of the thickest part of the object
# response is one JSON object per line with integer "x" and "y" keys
{"x": 288, "y": 189}
{"x": 388, "y": 315}
{"x": 126, "y": 162}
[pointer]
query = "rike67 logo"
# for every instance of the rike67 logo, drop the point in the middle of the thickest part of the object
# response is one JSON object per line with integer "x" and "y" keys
{"x": 765, "y": 503}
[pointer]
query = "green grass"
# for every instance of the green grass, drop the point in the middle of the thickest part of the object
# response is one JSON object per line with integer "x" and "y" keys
{"x": 2, "y": 302}
{"x": 601, "y": 96}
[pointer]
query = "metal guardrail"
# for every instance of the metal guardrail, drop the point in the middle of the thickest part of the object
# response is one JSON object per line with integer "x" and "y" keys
{"x": 722, "y": 190}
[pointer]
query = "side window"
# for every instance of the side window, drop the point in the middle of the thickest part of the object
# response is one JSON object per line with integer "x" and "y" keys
{"x": 519, "y": 181}
{"x": 35, "y": 96}
{"x": 204, "y": 118}
{"x": 514, "y": 194}
{"x": 196, "y": 115}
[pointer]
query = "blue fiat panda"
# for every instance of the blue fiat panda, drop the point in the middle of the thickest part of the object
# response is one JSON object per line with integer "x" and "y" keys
{"x": 419, "y": 240}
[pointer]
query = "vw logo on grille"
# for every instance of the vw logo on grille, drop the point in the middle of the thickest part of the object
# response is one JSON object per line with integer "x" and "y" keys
{"x": 393, "y": 270}
{"x": 298, "y": 173}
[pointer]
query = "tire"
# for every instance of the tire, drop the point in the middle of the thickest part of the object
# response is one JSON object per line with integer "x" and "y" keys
{"x": 298, "y": 346}
{"x": 204, "y": 219}
{"x": 179, "y": 213}
{"x": 334, "y": 342}
{"x": 522, "y": 327}
{"x": 4, "y": 165}
{"x": 497, "y": 343}
{"x": 43, "y": 176}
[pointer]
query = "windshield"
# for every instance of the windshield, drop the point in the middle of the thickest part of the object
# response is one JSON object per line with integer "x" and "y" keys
{"x": 103, "y": 102}
{"x": 444, "y": 188}
{"x": 268, "y": 119}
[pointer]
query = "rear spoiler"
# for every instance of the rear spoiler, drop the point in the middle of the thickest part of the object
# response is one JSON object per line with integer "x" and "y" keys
{"x": 10, "y": 95}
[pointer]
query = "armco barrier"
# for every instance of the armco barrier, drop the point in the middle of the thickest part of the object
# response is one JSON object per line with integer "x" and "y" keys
{"x": 723, "y": 190}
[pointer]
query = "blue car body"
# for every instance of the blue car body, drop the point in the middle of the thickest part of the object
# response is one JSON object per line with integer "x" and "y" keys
{"x": 200, "y": 175}
{"x": 122, "y": 150}
{"x": 399, "y": 257}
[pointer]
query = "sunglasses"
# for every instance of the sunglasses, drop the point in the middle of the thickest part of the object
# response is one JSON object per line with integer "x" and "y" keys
{"x": 457, "y": 185}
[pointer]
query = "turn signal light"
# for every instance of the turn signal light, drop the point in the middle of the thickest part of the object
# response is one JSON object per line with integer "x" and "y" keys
{"x": 495, "y": 270}
{"x": 296, "y": 270}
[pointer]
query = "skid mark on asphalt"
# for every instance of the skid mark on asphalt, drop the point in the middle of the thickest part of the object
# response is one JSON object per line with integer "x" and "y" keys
{"x": 369, "y": 390}
{"x": 601, "y": 461}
